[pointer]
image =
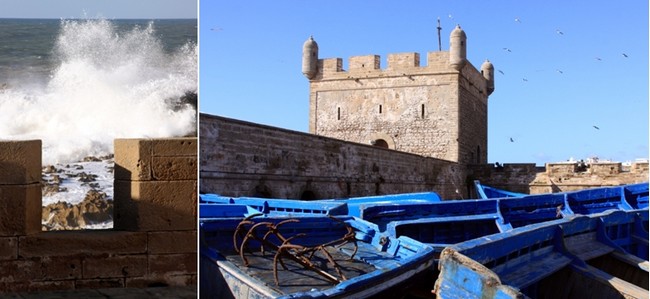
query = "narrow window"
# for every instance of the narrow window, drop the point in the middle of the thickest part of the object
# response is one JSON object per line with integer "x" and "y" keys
{"x": 422, "y": 111}
{"x": 338, "y": 112}
{"x": 379, "y": 109}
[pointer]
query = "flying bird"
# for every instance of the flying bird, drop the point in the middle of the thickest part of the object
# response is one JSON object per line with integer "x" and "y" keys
{"x": 599, "y": 59}
{"x": 500, "y": 71}
{"x": 559, "y": 32}
{"x": 512, "y": 140}
{"x": 560, "y": 71}
{"x": 525, "y": 80}
{"x": 451, "y": 17}
{"x": 517, "y": 20}
{"x": 596, "y": 127}
{"x": 624, "y": 55}
{"x": 216, "y": 29}
{"x": 507, "y": 49}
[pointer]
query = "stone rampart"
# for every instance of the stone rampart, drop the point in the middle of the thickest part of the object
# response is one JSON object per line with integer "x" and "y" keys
{"x": 245, "y": 159}
{"x": 557, "y": 177}
{"x": 154, "y": 239}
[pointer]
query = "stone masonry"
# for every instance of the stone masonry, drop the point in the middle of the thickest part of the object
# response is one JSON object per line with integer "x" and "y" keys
{"x": 245, "y": 159}
{"x": 153, "y": 244}
{"x": 437, "y": 110}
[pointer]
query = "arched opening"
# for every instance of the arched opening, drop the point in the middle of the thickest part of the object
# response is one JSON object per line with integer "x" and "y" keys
{"x": 308, "y": 195}
{"x": 379, "y": 143}
{"x": 262, "y": 191}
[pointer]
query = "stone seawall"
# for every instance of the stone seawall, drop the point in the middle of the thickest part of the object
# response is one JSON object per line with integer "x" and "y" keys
{"x": 558, "y": 177}
{"x": 154, "y": 239}
{"x": 245, "y": 159}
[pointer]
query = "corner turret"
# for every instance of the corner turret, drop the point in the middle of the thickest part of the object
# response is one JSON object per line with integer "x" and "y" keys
{"x": 310, "y": 58}
{"x": 487, "y": 69}
{"x": 457, "y": 48}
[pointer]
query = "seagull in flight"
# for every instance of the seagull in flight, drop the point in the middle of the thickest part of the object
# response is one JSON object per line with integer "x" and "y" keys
{"x": 517, "y": 20}
{"x": 525, "y": 80}
{"x": 512, "y": 140}
{"x": 559, "y": 32}
{"x": 500, "y": 71}
{"x": 596, "y": 127}
{"x": 599, "y": 59}
{"x": 560, "y": 71}
{"x": 624, "y": 55}
{"x": 506, "y": 49}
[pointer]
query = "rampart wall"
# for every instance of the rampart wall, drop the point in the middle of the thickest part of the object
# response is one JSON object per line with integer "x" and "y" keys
{"x": 239, "y": 158}
{"x": 246, "y": 159}
{"x": 153, "y": 242}
{"x": 557, "y": 177}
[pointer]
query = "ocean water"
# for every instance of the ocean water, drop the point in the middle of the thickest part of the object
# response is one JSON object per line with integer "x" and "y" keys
{"x": 79, "y": 84}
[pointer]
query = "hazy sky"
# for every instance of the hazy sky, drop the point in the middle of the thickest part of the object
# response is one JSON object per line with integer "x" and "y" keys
{"x": 111, "y": 9}
{"x": 571, "y": 76}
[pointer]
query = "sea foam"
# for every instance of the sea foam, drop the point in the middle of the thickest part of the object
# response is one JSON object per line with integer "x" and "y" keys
{"x": 107, "y": 84}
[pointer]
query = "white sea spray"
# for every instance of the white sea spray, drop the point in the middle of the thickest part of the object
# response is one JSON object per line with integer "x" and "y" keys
{"x": 107, "y": 84}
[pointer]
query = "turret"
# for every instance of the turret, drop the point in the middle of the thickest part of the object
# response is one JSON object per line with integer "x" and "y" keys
{"x": 457, "y": 48}
{"x": 487, "y": 69}
{"x": 310, "y": 58}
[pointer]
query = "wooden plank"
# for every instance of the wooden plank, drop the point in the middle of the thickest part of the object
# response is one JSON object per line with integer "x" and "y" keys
{"x": 625, "y": 288}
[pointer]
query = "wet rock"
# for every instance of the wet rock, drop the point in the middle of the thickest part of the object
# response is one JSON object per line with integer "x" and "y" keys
{"x": 94, "y": 209}
{"x": 86, "y": 177}
{"x": 49, "y": 169}
{"x": 91, "y": 159}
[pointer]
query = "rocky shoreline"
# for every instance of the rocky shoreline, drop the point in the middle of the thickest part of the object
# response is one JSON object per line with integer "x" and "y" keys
{"x": 77, "y": 196}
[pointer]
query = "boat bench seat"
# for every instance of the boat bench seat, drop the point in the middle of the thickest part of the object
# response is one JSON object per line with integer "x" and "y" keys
{"x": 530, "y": 268}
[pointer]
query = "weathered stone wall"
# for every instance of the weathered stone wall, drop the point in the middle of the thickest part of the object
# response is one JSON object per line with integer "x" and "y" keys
{"x": 433, "y": 110}
{"x": 557, "y": 177}
{"x": 153, "y": 244}
{"x": 238, "y": 158}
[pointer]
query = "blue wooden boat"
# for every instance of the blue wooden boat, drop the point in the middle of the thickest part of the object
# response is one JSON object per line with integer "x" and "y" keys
{"x": 283, "y": 206}
{"x": 598, "y": 256}
{"x": 447, "y": 223}
{"x": 247, "y": 254}
{"x": 485, "y": 192}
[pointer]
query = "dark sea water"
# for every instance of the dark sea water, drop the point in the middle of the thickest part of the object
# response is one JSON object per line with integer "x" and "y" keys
{"x": 78, "y": 84}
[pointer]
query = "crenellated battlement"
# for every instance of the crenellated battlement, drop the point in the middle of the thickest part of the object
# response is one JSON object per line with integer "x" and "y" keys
{"x": 560, "y": 176}
{"x": 398, "y": 64}
{"x": 153, "y": 242}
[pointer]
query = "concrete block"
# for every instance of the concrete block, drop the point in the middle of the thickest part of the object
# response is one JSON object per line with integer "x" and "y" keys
{"x": 133, "y": 159}
{"x": 20, "y": 209}
{"x": 155, "y": 159}
{"x": 59, "y": 268}
{"x": 172, "y": 242}
{"x": 155, "y": 206}
{"x": 103, "y": 283}
{"x": 68, "y": 243}
{"x": 174, "y": 168}
{"x": 174, "y": 147}
{"x": 20, "y": 270}
{"x": 37, "y": 286}
{"x": 8, "y": 248}
{"x": 115, "y": 266}
{"x": 20, "y": 162}
{"x": 172, "y": 264}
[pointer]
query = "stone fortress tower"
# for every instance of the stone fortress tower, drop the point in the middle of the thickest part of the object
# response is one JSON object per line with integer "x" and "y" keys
{"x": 438, "y": 110}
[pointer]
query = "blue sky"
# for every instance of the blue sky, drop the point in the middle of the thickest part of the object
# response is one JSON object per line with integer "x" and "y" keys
{"x": 111, "y": 9}
{"x": 566, "y": 71}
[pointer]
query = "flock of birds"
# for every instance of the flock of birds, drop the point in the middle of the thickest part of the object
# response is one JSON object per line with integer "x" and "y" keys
{"x": 517, "y": 20}
{"x": 561, "y": 33}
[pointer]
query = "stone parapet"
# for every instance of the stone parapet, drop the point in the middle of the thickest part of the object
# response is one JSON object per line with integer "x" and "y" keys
{"x": 20, "y": 187}
{"x": 153, "y": 242}
{"x": 155, "y": 184}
